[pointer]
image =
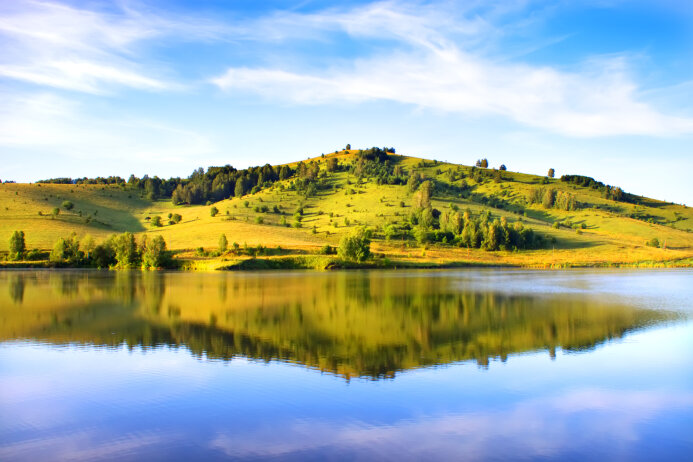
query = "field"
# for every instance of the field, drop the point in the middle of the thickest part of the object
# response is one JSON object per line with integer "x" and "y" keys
{"x": 600, "y": 232}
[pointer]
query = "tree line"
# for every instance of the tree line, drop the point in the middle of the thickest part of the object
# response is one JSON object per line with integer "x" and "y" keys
{"x": 121, "y": 251}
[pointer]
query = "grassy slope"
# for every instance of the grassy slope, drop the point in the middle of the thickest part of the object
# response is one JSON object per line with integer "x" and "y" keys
{"x": 608, "y": 236}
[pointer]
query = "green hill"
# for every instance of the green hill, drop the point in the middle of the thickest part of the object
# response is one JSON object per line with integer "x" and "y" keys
{"x": 303, "y": 206}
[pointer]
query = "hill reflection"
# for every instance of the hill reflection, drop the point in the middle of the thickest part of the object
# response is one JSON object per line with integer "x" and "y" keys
{"x": 346, "y": 323}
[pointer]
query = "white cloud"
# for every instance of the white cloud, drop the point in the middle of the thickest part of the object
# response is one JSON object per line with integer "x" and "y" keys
{"x": 437, "y": 66}
{"x": 56, "y": 45}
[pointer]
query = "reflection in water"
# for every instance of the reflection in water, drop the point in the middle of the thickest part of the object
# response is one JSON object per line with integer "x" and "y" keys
{"x": 348, "y": 323}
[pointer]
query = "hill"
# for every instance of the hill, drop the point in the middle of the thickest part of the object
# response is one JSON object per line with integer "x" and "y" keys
{"x": 416, "y": 211}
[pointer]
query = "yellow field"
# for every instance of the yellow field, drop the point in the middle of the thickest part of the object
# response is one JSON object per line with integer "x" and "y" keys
{"x": 608, "y": 235}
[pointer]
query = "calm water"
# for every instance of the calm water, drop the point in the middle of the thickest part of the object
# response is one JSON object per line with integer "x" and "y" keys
{"x": 444, "y": 365}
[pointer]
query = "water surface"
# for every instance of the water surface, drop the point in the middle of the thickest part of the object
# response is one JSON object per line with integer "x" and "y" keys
{"x": 442, "y": 365}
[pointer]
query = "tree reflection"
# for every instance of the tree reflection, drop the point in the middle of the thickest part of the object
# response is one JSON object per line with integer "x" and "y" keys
{"x": 347, "y": 323}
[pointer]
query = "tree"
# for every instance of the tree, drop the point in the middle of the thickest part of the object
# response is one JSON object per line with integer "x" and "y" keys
{"x": 67, "y": 205}
{"x": 66, "y": 250}
{"x": 348, "y": 147}
{"x": 549, "y": 198}
{"x": 125, "y": 249}
{"x": 223, "y": 243}
{"x": 503, "y": 168}
{"x": 422, "y": 197}
{"x": 240, "y": 188}
{"x": 332, "y": 164}
{"x": 156, "y": 221}
{"x": 17, "y": 245}
{"x": 213, "y": 211}
{"x": 551, "y": 173}
{"x": 55, "y": 212}
{"x": 355, "y": 247}
{"x": 154, "y": 253}
{"x": 483, "y": 163}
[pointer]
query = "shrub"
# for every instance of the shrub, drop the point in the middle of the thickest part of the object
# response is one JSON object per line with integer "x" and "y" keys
{"x": 67, "y": 205}
{"x": 213, "y": 211}
{"x": 156, "y": 221}
{"x": 654, "y": 242}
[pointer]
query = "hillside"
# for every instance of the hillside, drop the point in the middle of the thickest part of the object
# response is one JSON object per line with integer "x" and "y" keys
{"x": 323, "y": 198}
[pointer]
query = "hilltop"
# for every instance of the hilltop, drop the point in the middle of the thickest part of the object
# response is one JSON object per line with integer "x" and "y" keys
{"x": 418, "y": 212}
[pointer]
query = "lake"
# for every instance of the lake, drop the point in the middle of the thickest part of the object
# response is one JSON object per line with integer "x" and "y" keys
{"x": 350, "y": 365}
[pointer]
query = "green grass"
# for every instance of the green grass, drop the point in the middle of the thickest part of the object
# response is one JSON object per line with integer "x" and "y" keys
{"x": 607, "y": 235}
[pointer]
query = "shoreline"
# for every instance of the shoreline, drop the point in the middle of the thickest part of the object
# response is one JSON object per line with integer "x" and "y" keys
{"x": 324, "y": 263}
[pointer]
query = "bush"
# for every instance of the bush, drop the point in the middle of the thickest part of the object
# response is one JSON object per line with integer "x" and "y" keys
{"x": 67, "y": 205}
{"x": 213, "y": 211}
{"x": 156, "y": 222}
{"x": 355, "y": 247}
{"x": 654, "y": 242}
{"x": 176, "y": 218}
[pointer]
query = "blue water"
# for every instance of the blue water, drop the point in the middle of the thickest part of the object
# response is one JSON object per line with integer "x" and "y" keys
{"x": 621, "y": 398}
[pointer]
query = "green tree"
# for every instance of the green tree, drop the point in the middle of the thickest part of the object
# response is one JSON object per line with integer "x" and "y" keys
{"x": 503, "y": 168}
{"x": 348, "y": 147}
{"x": 66, "y": 250}
{"x": 355, "y": 247}
{"x": 422, "y": 197}
{"x": 55, "y": 212}
{"x": 240, "y": 187}
{"x": 67, "y": 205}
{"x": 223, "y": 243}
{"x": 17, "y": 245}
{"x": 156, "y": 221}
{"x": 213, "y": 211}
{"x": 125, "y": 248}
{"x": 549, "y": 198}
{"x": 154, "y": 253}
{"x": 551, "y": 173}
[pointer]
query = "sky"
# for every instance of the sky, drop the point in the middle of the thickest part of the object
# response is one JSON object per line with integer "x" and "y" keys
{"x": 602, "y": 88}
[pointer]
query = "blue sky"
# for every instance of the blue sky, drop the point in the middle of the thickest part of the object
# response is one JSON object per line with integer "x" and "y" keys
{"x": 601, "y": 88}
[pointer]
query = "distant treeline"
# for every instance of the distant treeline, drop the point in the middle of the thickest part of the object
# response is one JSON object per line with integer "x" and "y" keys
{"x": 608, "y": 192}
{"x": 218, "y": 183}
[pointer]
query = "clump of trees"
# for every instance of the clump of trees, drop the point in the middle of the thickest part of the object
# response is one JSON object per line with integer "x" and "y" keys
{"x": 120, "y": 251}
{"x": 550, "y": 198}
{"x": 355, "y": 246}
{"x": 483, "y": 163}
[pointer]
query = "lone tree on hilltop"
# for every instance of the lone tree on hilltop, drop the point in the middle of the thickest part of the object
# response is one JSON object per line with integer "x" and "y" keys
{"x": 503, "y": 168}
{"x": 552, "y": 173}
{"x": 17, "y": 245}
{"x": 348, "y": 147}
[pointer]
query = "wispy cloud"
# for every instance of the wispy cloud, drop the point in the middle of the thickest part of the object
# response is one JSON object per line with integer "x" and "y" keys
{"x": 439, "y": 63}
{"x": 65, "y": 47}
